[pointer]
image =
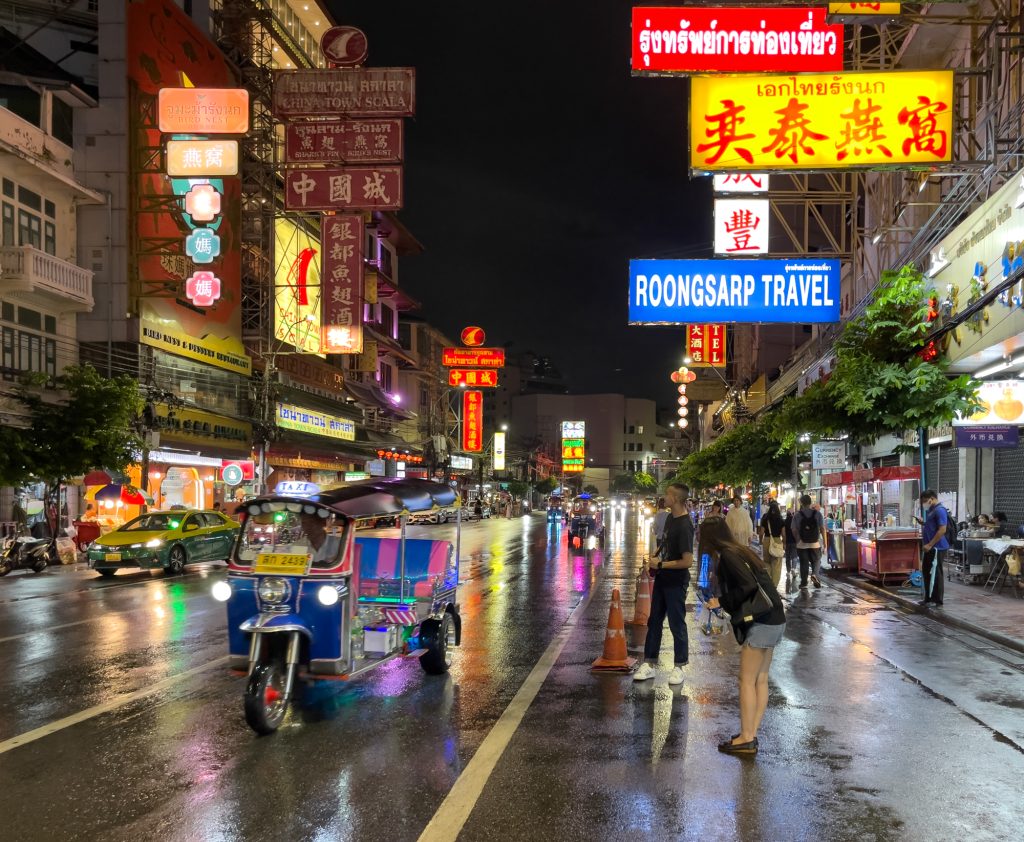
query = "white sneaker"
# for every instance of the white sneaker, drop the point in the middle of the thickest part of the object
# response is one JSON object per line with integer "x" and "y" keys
{"x": 676, "y": 676}
{"x": 644, "y": 672}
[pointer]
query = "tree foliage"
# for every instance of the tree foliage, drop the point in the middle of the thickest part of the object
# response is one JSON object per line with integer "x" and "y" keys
{"x": 591, "y": 489}
{"x": 518, "y": 488}
{"x": 637, "y": 482}
{"x": 750, "y": 453}
{"x": 547, "y": 485}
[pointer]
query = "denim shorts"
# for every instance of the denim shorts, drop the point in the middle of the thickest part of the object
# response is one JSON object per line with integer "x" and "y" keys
{"x": 761, "y": 636}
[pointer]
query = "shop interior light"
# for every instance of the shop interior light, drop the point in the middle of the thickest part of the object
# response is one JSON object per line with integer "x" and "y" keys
{"x": 995, "y": 368}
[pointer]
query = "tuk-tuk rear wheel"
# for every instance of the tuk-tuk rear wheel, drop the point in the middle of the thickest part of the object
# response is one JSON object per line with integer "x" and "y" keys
{"x": 265, "y": 704}
{"x": 437, "y": 636}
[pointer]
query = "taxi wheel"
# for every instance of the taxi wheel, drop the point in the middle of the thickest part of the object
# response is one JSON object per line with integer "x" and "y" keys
{"x": 438, "y": 638}
{"x": 107, "y": 574}
{"x": 176, "y": 561}
{"x": 265, "y": 705}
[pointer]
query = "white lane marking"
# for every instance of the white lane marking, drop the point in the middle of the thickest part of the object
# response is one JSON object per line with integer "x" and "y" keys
{"x": 451, "y": 816}
{"x": 140, "y": 581}
{"x": 106, "y": 707}
{"x": 109, "y": 614}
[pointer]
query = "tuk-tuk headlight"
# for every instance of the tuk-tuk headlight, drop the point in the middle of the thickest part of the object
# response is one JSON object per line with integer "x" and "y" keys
{"x": 221, "y": 591}
{"x": 273, "y": 590}
{"x": 327, "y": 595}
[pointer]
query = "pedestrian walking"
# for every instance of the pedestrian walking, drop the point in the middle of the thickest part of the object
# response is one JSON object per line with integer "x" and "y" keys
{"x": 661, "y": 516}
{"x": 738, "y": 521}
{"x": 758, "y": 619}
{"x": 792, "y": 564}
{"x": 933, "y": 550}
{"x": 808, "y": 530}
{"x": 671, "y": 572}
{"x": 773, "y": 546}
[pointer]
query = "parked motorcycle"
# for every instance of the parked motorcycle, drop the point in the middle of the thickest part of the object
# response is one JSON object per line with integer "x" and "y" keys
{"x": 29, "y": 553}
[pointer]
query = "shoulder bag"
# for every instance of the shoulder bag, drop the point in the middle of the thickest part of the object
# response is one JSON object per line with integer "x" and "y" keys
{"x": 756, "y": 604}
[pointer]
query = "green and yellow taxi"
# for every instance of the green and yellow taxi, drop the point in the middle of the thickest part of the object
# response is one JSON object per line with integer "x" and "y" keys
{"x": 166, "y": 540}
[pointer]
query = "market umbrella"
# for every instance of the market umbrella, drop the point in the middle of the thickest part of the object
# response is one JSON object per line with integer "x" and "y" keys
{"x": 135, "y": 496}
{"x": 109, "y": 492}
{"x": 104, "y": 477}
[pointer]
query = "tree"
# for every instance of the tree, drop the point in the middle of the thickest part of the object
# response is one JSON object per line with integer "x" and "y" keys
{"x": 750, "y": 453}
{"x": 518, "y": 488}
{"x": 547, "y": 485}
{"x": 644, "y": 482}
{"x": 622, "y": 484}
{"x": 93, "y": 423}
{"x": 592, "y": 490}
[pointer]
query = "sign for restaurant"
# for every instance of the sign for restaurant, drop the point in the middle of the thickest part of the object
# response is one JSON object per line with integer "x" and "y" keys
{"x": 987, "y": 436}
{"x": 360, "y": 92}
{"x": 344, "y": 142}
{"x": 202, "y": 158}
{"x": 706, "y": 346}
{"x": 674, "y": 292}
{"x": 860, "y": 10}
{"x": 316, "y": 423}
{"x": 342, "y": 278}
{"x": 203, "y": 110}
{"x": 1002, "y": 402}
{"x": 821, "y": 121}
{"x": 472, "y": 421}
{"x": 741, "y": 226}
{"x": 473, "y": 357}
{"x": 828, "y": 456}
{"x": 349, "y": 188}
{"x": 670, "y": 39}
{"x": 740, "y": 182}
{"x": 499, "y": 451}
{"x": 344, "y": 46}
{"x": 482, "y": 378}
{"x": 573, "y": 455}
{"x": 574, "y": 429}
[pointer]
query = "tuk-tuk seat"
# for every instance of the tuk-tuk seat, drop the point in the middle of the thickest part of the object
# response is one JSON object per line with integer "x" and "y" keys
{"x": 425, "y": 561}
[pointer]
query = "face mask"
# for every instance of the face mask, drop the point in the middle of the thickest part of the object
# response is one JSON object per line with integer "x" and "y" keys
{"x": 927, "y": 506}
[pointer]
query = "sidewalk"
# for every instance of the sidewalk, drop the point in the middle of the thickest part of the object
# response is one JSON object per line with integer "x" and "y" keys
{"x": 998, "y": 617}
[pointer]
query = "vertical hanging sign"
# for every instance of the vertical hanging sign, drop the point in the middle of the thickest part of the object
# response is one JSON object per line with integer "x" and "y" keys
{"x": 499, "y": 451}
{"x": 705, "y": 345}
{"x": 342, "y": 280}
{"x": 472, "y": 421}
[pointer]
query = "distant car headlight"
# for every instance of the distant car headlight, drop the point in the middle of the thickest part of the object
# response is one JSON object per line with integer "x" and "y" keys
{"x": 221, "y": 591}
{"x": 154, "y": 543}
{"x": 273, "y": 590}
{"x": 327, "y": 595}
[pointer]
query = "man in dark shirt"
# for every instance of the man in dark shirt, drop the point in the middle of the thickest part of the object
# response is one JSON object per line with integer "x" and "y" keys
{"x": 671, "y": 578}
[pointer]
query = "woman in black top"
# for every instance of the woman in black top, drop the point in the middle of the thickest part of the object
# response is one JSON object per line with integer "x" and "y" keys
{"x": 738, "y": 573}
{"x": 772, "y": 526}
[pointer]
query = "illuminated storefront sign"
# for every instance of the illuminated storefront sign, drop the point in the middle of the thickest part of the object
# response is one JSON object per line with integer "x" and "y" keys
{"x": 342, "y": 278}
{"x": 203, "y": 246}
{"x": 785, "y": 291}
{"x": 474, "y": 357}
{"x": 669, "y": 39}
{"x": 482, "y": 379}
{"x": 349, "y": 188}
{"x": 202, "y": 158}
{"x": 297, "y": 287}
{"x": 737, "y": 182}
{"x": 202, "y": 289}
{"x": 821, "y": 121}
{"x": 202, "y": 203}
{"x": 741, "y": 226}
{"x": 344, "y": 142}
{"x": 574, "y": 429}
{"x": 472, "y": 421}
{"x": 203, "y": 110}
{"x": 473, "y": 336}
{"x": 499, "y": 451}
{"x": 316, "y": 423}
{"x": 573, "y": 446}
{"x": 461, "y": 463}
{"x": 362, "y": 92}
{"x": 706, "y": 345}
{"x": 859, "y": 10}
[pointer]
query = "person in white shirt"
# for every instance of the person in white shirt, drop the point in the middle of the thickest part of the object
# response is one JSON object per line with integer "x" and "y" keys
{"x": 739, "y": 523}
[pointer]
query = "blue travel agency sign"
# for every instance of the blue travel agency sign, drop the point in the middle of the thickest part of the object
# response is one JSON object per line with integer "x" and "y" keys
{"x": 677, "y": 292}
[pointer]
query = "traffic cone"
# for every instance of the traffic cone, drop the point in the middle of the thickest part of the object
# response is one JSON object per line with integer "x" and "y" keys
{"x": 615, "y": 658}
{"x": 642, "y": 604}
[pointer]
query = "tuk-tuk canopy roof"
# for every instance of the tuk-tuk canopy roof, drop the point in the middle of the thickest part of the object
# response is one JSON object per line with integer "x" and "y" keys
{"x": 378, "y": 497}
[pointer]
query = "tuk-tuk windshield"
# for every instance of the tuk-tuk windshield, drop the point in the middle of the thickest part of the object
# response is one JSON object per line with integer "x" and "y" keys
{"x": 281, "y": 530}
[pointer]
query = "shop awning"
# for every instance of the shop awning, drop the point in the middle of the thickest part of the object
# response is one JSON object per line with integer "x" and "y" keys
{"x": 895, "y": 472}
{"x": 373, "y": 397}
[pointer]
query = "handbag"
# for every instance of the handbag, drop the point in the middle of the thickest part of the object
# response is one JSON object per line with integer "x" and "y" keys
{"x": 776, "y": 549}
{"x": 753, "y": 606}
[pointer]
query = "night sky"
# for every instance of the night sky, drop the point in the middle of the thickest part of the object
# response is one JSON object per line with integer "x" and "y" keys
{"x": 536, "y": 167}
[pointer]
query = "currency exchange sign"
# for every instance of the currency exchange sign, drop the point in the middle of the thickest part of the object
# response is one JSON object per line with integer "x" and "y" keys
{"x": 348, "y": 188}
{"x": 670, "y": 40}
{"x": 730, "y": 291}
{"x": 826, "y": 121}
{"x": 344, "y": 141}
{"x": 356, "y": 92}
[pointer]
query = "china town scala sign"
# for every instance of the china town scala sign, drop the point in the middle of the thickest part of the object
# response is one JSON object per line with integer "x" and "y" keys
{"x": 714, "y": 40}
{"x": 358, "y": 92}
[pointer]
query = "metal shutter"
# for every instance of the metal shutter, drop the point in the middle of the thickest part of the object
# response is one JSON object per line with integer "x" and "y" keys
{"x": 1009, "y": 484}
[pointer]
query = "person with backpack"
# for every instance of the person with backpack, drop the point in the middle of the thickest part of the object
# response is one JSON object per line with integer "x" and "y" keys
{"x": 934, "y": 546}
{"x": 809, "y": 531}
{"x": 769, "y": 533}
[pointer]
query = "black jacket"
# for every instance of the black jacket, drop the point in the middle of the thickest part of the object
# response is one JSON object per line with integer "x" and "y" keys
{"x": 738, "y": 580}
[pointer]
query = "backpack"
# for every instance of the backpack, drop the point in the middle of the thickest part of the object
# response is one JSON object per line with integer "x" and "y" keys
{"x": 808, "y": 530}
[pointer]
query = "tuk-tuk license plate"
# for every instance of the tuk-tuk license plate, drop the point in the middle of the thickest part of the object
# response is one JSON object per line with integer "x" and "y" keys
{"x": 288, "y": 564}
{"x": 112, "y": 556}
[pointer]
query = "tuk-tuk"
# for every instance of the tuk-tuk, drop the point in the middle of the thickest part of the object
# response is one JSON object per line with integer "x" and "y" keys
{"x": 585, "y": 522}
{"x": 308, "y": 600}
{"x": 555, "y": 511}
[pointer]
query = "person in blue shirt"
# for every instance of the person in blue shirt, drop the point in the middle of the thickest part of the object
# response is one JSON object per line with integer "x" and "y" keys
{"x": 933, "y": 547}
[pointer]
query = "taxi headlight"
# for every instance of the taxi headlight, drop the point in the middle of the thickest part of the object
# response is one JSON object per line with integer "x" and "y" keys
{"x": 156, "y": 542}
{"x": 221, "y": 591}
{"x": 273, "y": 590}
{"x": 327, "y": 595}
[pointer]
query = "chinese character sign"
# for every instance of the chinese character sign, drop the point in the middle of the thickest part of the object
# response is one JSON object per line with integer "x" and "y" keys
{"x": 474, "y": 378}
{"x": 741, "y": 182}
{"x": 202, "y": 158}
{"x": 349, "y": 188}
{"x": 472, "y": 421}
{"x": 344, "y": 141}
{"x": 573, "y": 455}
{"x": 706, "y": 345}
{"x": 821, "y": 121}
{"x": 741, "y": 226}
{"x": 341, "y": 277}
{"x": 716, "y": 40}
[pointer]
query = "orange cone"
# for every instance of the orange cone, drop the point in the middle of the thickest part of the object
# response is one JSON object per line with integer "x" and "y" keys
{"x": 642, "y": 604}
{"x": 614, "y": 658}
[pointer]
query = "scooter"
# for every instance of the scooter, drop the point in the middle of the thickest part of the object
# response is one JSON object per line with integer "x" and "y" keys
{"x": 29, "y": 553}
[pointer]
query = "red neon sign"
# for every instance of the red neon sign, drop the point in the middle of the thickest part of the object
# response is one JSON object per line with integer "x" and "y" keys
{"x": 472, "y": 421}
{"x": 486, "y": 378}
{"x": 474, "y": 357}
{"x": 203, "y": 289}
{"x": 708, "y": 40}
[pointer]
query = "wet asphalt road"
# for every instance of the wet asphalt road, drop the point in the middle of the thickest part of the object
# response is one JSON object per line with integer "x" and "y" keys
{"x": 882, "y": 725}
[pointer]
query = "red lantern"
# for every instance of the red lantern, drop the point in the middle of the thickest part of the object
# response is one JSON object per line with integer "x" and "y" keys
{"x": 690, "y": 376}
{"x": 675, "y": 376}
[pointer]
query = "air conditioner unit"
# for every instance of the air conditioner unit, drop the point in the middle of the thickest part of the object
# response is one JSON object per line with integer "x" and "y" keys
{"x": 187, "y": 387}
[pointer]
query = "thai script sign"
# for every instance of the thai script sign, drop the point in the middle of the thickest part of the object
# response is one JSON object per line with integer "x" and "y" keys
{"x": 859, "y": 10}
{"x": 344, "y": 141}
{"x": 202, "y": 158}
{"x": 741, "y": 226}
{"x": 706, "y": 347}
{"x": 351, "y": 188}
{"x": 740, "y": 182}
{"x": 485, "y": 378}
{"x": 472, "y": 421}
{"x": 363, "y": 92}
{"x": 203, "y": 110}
{"x": 821, "y": 121}
{"x": 733, "y": 291}
{"x": 317, "y": 423}
{"x": 573, "y": 455}
{"x": 342, "y": 278}
{"x": 474, "y": 357}
{"x": 709, "y": 40}
{"x": 574, "y": 429}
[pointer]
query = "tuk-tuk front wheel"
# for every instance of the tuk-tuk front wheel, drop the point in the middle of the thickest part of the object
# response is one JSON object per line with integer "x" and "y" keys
{"x": 265, "y": 703}
{"x": 437, "y": 636}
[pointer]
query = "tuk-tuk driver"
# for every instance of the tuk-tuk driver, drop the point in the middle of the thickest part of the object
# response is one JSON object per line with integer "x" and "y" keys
{"x": 326, "y": 545}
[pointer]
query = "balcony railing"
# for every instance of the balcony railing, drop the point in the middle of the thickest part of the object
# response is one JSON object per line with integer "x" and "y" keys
{"x": 27, "y": 269}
